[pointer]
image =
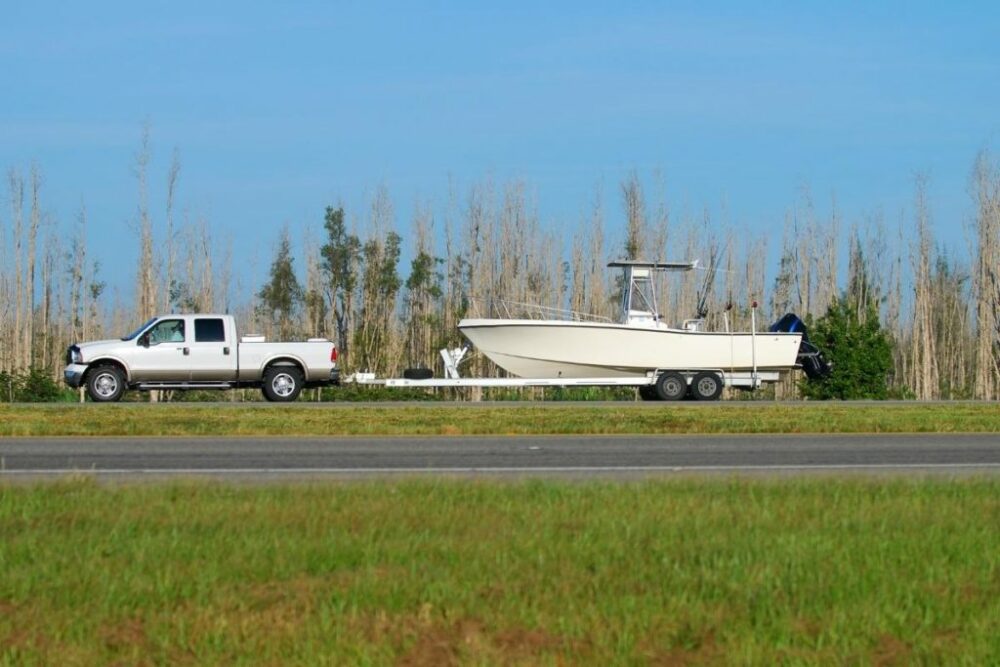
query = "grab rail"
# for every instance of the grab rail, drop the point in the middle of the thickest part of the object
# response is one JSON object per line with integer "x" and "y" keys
{"x": 512, "y": 310}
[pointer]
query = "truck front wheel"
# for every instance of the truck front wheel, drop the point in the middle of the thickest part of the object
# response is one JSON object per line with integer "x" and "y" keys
{"x": 282, "y": 383}
{"x": 105, "y": 384}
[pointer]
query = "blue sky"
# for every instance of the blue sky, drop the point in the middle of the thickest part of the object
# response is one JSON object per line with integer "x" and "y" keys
{"x": 279, "y": 109}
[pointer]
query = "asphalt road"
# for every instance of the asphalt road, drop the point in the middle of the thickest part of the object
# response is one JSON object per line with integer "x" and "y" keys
{"x": 553, "y": 456}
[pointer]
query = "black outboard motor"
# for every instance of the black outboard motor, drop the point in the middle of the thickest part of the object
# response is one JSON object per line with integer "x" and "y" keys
{"x": 810, "y": 357}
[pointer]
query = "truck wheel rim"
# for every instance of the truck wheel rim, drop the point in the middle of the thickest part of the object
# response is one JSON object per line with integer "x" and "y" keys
{"x": 105, "y": 385}
{"x": 283, "y": 384}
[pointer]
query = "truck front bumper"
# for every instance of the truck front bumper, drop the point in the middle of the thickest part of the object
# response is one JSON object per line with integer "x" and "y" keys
{"x": 73, "y": 375}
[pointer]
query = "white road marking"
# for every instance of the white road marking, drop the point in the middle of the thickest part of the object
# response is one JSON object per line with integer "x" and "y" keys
{"x": 695, "y": 468}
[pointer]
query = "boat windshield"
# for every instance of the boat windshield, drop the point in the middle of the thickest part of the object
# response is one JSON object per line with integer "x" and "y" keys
{"x": 139, "y": 330}
{"x": 639, "y": 296}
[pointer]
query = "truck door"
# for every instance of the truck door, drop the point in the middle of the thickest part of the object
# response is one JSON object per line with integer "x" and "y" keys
{"x": 159, "y": 353}
{"x": 212, "y": 357}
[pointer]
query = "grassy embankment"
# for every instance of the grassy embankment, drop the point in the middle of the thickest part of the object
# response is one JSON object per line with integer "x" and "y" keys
{"x": 473, "y": 419}
{"x": 827, "y": 571}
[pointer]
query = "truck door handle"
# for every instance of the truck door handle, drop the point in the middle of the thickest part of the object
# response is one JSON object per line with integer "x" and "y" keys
{"x": 225, "y": 350}
{"x": 187, "y": 351}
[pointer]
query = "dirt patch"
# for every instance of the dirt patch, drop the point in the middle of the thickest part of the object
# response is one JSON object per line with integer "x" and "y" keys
{"x": 891, "y": 651}
{"x": 466, "y": 640}
{"x": 525, "y": 643}
{"x": 702, "y": 651}
{"x": 298, "y": 593}
{"x": 130, "y": 633}
{"x": 430, "y": 650}
{"x": 18, "y": 639}
{"x": 435, "y": 646}
{"x": 809, "y": 627}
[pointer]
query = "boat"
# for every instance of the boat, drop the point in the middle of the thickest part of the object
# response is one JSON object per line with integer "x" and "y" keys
{"x": 640, "y": 344}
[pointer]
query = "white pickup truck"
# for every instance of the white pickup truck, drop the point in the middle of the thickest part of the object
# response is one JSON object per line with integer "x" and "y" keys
{"x": 198, "y": 352}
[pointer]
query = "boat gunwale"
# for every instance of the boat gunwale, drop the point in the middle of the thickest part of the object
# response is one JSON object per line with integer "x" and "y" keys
{"x": 616, "y": 326}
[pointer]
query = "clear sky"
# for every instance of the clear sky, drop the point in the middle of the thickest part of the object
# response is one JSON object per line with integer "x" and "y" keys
{"x": 281, "y": 108}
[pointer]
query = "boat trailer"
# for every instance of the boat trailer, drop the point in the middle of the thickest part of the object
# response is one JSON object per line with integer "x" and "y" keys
{"x": 453, "y": 358}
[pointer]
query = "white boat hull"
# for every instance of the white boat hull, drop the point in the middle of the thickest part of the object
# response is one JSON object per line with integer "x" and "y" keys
{"x": 555, "y": 348}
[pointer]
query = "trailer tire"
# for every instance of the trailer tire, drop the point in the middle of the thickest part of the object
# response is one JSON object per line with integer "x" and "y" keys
{"x": 671, "y": 386}
{"x": 282, "y": 384}
{"x": 105, "y": 384}
{"x": 706, "y": 386}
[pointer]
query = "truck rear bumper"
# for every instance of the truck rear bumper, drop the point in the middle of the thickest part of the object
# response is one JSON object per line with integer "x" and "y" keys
{"x": 73, "y": 375}
{"x": 325, "y": 381}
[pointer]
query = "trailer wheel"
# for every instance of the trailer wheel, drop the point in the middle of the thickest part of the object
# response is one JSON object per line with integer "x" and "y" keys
{"x": 648, "y": 393}
{"x": 282, "y": 383}
{"x": 706, "y": 386}
{"x": 671, "y": 386}
{"x": 105, "y": 384}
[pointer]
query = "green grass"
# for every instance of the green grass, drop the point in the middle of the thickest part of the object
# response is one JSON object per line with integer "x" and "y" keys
{"x": 751, "y": 417}
{"x": 726, "y": 571}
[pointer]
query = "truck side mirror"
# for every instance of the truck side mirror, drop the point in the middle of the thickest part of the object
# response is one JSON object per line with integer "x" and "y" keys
{"x": 144, "y": 340}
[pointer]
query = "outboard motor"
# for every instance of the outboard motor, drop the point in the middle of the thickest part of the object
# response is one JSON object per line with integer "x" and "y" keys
{"x": 810, "y": 357}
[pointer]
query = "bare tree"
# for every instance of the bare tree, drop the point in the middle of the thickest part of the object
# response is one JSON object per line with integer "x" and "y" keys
{"x": 423, "y": 290}
{"x": 146, "y": 278}
{"x": 635, "y": 217}
{"x": 78, "y": 263}
{"x": 35, "y": 222}
{"x": 172, "y": 175}
{"x": 925, "y": 362}
{"x": 986, "y": 278}
{"x": 16, "y": 185}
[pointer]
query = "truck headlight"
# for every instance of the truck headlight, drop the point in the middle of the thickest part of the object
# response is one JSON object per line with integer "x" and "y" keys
{"x": 75, "y": 356}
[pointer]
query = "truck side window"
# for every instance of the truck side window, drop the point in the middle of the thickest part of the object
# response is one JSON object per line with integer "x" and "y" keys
{"x": 167, "y": 331}
{"x": 209, "y": 331}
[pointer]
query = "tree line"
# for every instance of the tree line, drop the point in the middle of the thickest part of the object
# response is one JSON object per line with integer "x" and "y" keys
{"x": 391, "y": 293}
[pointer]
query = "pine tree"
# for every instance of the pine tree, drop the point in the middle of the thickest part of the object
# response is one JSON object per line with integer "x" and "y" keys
{"x": 340, "y": 255}
{"x": 858, "y": 350}
{"x": 282, "y": 296}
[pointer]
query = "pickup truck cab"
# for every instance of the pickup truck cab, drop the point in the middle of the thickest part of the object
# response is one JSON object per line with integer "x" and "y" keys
{"x": 198, "y": 352}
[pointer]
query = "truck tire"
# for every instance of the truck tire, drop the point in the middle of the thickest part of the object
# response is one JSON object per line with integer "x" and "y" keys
{"x": 105, "y": 384}
{"x": 282, "y": 383}
{"x": 706, "y": 386}
{"x": 671, "y": 386}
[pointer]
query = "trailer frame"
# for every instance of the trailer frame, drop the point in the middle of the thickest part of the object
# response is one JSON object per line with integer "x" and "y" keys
{"x": 453, "y": 357}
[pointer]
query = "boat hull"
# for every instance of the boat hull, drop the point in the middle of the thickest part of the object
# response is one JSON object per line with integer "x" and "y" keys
{"x": 553, "y": 348}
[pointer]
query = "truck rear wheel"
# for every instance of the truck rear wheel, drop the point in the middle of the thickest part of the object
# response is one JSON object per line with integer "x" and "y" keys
{"x": 282, "y": 383}
{"x": 105, "y": 384}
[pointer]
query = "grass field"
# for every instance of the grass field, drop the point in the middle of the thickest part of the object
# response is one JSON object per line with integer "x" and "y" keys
{"x": 437, "y": 573}
{"x": 472, "y": 419}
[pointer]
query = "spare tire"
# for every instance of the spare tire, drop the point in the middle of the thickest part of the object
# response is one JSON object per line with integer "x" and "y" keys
{"x": 418, "y": 374}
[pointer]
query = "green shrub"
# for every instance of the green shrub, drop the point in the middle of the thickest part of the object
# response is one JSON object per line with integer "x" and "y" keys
{"x": 33, "y": 386}
{"x": 859, "y": 352}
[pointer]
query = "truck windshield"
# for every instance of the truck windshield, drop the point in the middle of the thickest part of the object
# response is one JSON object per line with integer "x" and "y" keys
{"x": 139, "y": 330}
